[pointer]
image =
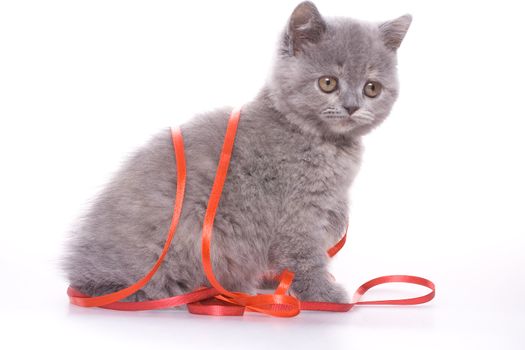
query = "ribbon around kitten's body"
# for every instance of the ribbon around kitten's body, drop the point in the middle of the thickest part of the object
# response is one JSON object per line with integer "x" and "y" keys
{"x": 216, "y": 300}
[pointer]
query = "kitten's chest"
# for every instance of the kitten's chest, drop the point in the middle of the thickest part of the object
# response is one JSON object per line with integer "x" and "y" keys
{"x": 312, "y": 170}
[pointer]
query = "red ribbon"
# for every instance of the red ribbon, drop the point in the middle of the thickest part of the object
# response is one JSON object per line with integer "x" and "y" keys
{"x": 218, "y": 300}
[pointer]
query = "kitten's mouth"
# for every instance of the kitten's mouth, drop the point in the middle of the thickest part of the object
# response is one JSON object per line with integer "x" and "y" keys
{"x": 336, "y": 116}
{"x": 354, "y": 119}
{"x": 340, "y": 122}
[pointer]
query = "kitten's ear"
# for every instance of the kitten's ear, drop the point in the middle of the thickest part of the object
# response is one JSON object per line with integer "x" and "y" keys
{"x": 306, "y": 25}
{"x": 393, "y": 32}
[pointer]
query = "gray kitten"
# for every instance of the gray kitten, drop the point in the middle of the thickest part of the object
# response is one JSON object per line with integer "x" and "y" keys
{"x": 284, "y": 203}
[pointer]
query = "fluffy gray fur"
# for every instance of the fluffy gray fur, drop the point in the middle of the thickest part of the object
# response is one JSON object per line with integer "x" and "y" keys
{"x": 284, "y": 203}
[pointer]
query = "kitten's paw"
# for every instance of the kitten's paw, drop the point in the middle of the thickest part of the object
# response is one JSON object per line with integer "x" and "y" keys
{"x": 334, "y": 293}
{"x": 320, "y": 291}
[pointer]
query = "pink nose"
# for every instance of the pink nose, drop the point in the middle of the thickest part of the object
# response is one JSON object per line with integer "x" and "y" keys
{"x": 351, "y": 109}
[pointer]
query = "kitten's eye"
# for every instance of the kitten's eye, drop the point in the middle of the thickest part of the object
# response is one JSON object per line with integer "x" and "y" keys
{"x": 372, "y": 89}
{"x": 328, "y": 84}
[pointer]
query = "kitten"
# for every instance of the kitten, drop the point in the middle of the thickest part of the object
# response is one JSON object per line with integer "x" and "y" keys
{"x": 284, "y": 203}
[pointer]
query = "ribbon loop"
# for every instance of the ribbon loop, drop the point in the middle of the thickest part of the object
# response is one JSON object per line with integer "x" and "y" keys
{"x": 393, "y": 279}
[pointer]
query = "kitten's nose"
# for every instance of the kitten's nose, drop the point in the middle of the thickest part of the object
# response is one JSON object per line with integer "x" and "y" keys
{"x": 351, "y": 109}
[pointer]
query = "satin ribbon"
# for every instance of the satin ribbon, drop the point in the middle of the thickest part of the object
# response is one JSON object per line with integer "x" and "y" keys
{"x": 217, "y": 300}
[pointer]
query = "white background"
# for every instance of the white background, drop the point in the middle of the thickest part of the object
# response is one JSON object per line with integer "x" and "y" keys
{"x": 440, "y": 193}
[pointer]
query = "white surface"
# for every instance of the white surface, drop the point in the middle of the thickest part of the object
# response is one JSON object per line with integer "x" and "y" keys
{"x": 440, "y": 193}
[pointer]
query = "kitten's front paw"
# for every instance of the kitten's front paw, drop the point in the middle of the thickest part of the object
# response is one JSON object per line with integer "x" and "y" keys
{"x": 334, "y": 293}
{"x": 320, "y": 291}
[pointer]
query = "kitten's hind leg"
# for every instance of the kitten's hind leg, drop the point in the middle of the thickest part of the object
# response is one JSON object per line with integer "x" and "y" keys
{"x": 97, "y": 289}
{"x": 171, "y": 288}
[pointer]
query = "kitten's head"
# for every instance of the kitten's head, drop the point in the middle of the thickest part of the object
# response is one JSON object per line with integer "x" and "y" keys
{"x": 336, "y": 76}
